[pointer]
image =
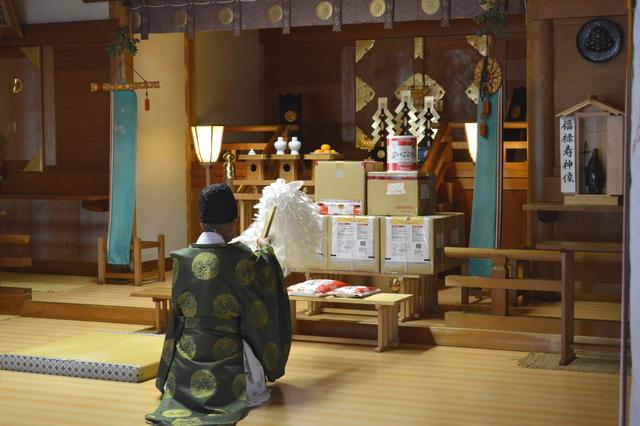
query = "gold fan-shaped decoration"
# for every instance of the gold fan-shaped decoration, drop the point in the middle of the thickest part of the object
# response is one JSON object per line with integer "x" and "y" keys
{"x": 493, "y": 78}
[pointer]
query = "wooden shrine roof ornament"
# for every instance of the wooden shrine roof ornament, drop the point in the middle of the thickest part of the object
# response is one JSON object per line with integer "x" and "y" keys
{"x": 590, "y": 101}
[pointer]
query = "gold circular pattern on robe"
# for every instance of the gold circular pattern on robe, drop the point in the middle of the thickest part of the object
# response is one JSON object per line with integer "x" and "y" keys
{"x": 270, "y": 355}
{"x": 267, "y": 277}
{"x": 193, "y": 421}
{"x": 205, "y": 266}
{"x": 377, "y": 8}
{"x": 170, "y": 388}
{"x": 259, "y": 313}
{"x": 187, "y": 304}
{"x": 239, "y": 386}
{"x": 187, "y": 347}
{"x": 167, "y": 351}
{"x": 217, "y": 412}
{"x": 245, "y": 272}
{"x": 136, "y": 20}
{"x": 225, "y": 347}
{"x": 203, "y": 384}
{"x": 324, "y": 10}
{"x": 176, "y": 412}
{"x": 175, "y": 270}
{"x": 180, "y": 18}
{"x": 429, "y": 7}
{"x": 226, "y": 307}
{"x": 225, "y": 16}
{"x": 275, "y": 13}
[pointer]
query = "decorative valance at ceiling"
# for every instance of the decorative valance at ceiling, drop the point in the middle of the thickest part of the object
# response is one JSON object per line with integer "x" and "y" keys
{"x": 189, "y": 16}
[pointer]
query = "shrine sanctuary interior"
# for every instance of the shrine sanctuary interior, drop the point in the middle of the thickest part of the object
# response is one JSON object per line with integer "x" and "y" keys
{"x": 470, "y": 164}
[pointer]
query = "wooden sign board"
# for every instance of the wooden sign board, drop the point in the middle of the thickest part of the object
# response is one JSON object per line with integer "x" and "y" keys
{"x": 568, "y": 155}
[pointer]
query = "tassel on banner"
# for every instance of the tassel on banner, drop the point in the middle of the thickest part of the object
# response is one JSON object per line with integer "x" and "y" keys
{"x": 286, "y": 16}
{"x": 147, "y": 103}
{"x": 337, "y": 15}
{"x": 237, "y": 23}
{"x": 445, "y": 13}
{"x": 389, "y": 14}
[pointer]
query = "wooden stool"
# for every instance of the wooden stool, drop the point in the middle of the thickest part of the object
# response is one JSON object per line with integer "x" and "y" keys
{"x": 137, "y": 275}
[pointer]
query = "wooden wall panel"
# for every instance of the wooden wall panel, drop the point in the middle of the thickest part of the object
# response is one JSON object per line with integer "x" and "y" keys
{"x": 76, "y": 141}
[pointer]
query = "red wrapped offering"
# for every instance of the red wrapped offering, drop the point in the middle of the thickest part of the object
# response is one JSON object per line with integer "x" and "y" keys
{"x": 355, "y": 291}
{"x": 315, "y": 287}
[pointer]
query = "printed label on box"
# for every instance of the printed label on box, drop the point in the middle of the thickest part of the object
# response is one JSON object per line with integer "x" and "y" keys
{"x": 396, "y": 188}
{"x": 352, "y": 238}
{"x": 407, "y": 241}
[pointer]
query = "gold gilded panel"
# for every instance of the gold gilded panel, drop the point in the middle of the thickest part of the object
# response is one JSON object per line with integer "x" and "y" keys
{"x": 364, "y": 93}
{"x": 363, "y": 47}
{"x": 362, "y": 140}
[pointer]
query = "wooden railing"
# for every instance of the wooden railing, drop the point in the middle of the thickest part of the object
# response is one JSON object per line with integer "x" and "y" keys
{"x": 500, "y": 283}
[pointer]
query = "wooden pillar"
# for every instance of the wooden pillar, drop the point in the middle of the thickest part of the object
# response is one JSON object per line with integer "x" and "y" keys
{"x": 540, "y": 117}
{"x": 567, "y": 309}
{"x": 499, "y": 297}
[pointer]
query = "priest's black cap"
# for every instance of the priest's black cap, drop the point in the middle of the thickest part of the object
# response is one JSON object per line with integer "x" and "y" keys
{"x": 217, "y": 204}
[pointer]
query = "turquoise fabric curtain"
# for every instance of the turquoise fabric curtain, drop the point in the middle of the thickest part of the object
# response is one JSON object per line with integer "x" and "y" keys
{"x": 487, "y": 189}
{"x": 124, "y": 116}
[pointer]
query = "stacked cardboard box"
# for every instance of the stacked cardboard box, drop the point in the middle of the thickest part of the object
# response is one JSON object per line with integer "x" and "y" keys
{"x": 354, "y": 243}
{"x": 341, "y": 186}
{"x": 400, "y": 194}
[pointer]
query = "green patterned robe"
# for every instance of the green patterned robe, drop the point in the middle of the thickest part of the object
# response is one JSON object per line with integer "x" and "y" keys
{"x": 221, "y": 295}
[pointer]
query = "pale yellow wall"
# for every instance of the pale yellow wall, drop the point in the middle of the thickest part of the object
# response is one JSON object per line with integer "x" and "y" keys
{"x": 161, "y": 199}
{"x": 228, "y": 78}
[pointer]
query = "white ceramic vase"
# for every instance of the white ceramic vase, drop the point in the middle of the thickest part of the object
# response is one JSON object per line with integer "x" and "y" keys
{"x": 295, "y": 145}
{"x": 280, "y": 145}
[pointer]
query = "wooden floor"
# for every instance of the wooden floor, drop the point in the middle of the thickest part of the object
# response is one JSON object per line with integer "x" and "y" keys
{"x": 328, "y": 385}
{"x": 118, "y": 295}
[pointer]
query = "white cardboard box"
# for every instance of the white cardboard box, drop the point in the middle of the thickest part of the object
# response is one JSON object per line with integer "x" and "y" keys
{"x": 412, "y": 244}
{"x": 354, "y": 243}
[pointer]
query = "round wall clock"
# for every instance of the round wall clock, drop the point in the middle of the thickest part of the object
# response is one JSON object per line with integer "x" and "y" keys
{"x": 599, "y": 40}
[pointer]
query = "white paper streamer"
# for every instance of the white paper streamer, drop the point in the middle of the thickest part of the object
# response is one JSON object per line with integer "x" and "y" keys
{"x": 295, "y": 233}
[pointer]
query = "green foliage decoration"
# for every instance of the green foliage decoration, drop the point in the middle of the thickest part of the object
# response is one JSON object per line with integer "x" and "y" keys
{"x": 122, "y": 42}
{"x": 493, "y": 19}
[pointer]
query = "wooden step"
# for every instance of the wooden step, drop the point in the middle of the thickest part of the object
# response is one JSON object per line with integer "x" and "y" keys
{"x": 15, "y": 294}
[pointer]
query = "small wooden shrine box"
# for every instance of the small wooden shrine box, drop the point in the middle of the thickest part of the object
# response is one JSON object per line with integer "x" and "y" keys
{"x": 589, "y": 125}
{"x": 256, "y": 165}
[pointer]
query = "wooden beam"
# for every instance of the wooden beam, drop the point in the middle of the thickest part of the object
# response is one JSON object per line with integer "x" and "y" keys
{"x": 528, "y": 324}
{"x": 501, "y": 283}
{"x": 15, "y": 239}
{"x": 15, "y": 262}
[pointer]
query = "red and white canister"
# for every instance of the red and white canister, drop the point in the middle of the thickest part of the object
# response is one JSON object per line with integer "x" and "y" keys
{"x": 402, "y": 154}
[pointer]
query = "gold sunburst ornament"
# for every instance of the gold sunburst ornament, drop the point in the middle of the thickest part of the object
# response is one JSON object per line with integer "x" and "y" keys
{"x": 324, "y": 10}
{"x": 493, "y": 78}
{"x": 429, "y": 7}
{"x": 275, "y": 13}
{"x": 225, "y": 16}
{"x": 377, "y": 8}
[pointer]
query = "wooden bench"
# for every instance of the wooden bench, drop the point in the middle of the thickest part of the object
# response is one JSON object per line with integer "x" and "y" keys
{"x": 500, "y": 284}
{"x": 161, "y": 296}
{"x": 387, "y": 305}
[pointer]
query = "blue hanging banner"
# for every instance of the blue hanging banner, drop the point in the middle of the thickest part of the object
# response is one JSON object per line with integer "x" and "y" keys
{"x": 487, "y": 188}
{"x": 122, "y": 199}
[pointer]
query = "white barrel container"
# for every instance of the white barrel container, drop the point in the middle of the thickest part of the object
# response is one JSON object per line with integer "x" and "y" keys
{"x": 401, "y": 154}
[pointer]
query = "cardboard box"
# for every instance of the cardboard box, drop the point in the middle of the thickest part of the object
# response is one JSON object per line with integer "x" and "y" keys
{"x": 400, "y": 194}
{"x": 344, "y": 182}
{"x": 454, "y": 236}
{"x": 412, "y": 244}
{"x": 320, "y": 259}
{"x": 354, "y": 243}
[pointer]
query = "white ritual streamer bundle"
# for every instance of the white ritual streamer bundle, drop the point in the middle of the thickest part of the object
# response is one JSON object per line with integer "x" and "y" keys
{"x": 295, "y": 233}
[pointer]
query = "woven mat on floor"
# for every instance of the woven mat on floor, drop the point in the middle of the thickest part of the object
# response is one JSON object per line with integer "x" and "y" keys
{"x": 7, "y": 317}
{"x": 584, "y": 363}
{"x": 122, "y": 357}
{"x": 44, "y": 287}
